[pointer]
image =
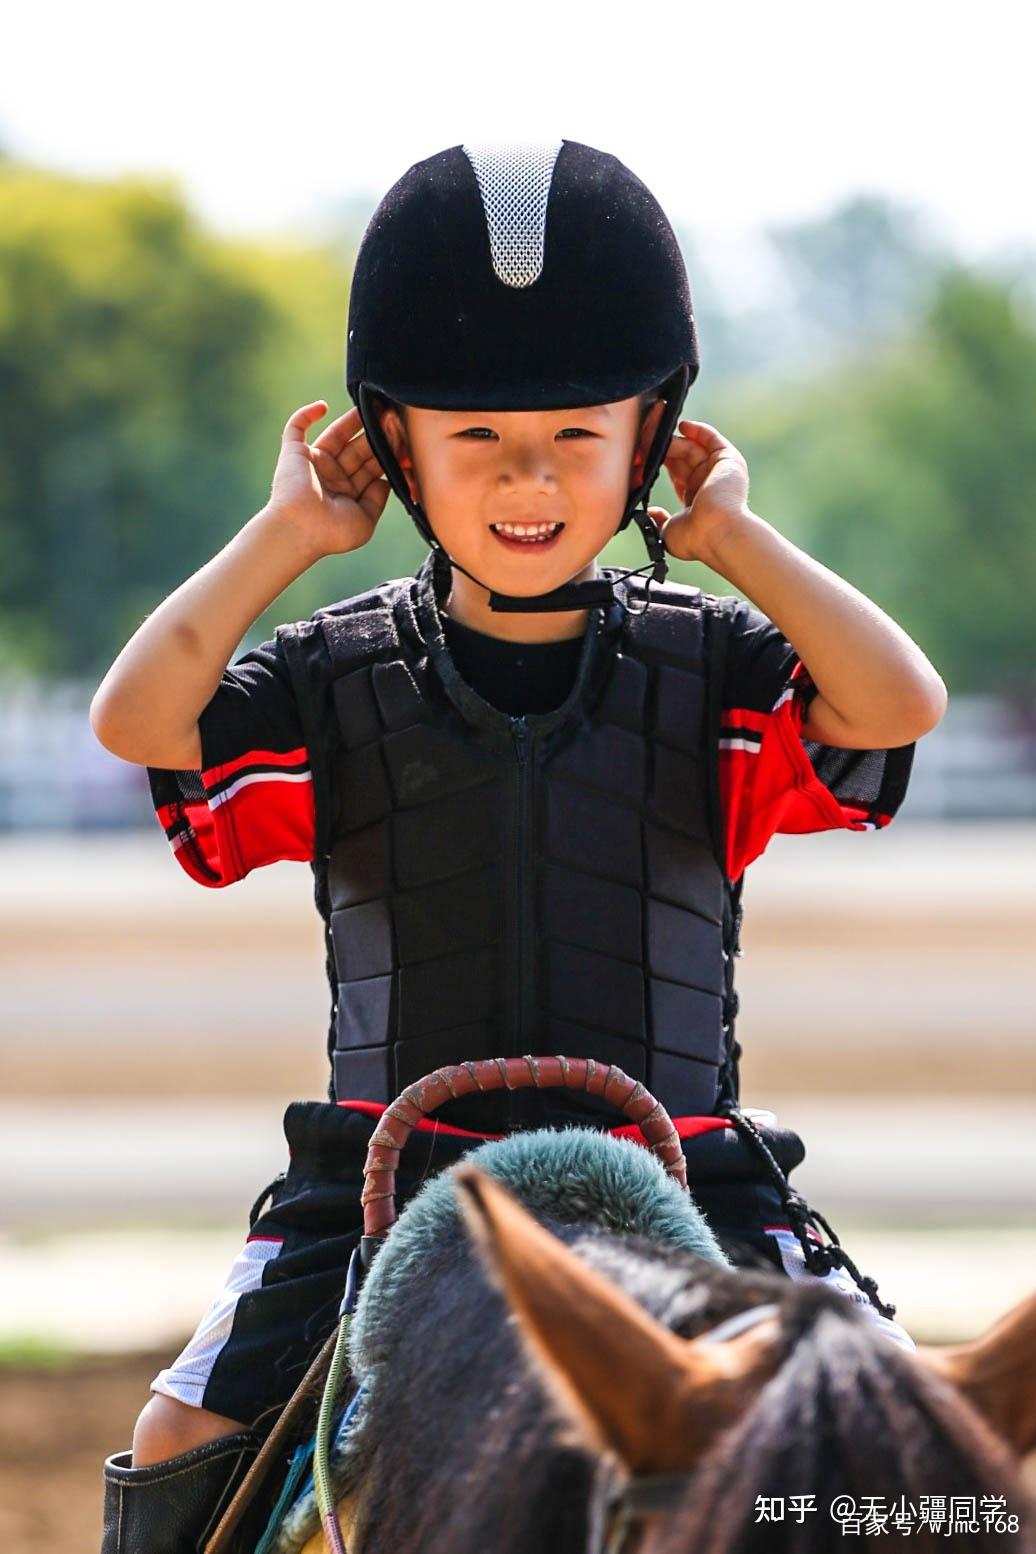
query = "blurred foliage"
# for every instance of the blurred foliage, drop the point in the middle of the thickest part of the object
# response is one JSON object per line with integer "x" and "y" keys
{"x": 860, "y": 274}
{"x": 910, "y": 471}
{"x": 29, "y": 1351}
{"x": 146, "y": 370}
{"x": 147, "y": 367}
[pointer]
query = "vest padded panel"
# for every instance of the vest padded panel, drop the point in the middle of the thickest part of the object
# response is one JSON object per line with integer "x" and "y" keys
{"x": 495, "y": 885}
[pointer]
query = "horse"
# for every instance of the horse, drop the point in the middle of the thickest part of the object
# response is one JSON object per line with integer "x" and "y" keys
{"x": 695, "y": 1436}
{"x": 588, "y": 1372}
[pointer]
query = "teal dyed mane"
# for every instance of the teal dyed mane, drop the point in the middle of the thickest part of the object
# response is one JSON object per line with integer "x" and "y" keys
{"x": 577, "y": 1175}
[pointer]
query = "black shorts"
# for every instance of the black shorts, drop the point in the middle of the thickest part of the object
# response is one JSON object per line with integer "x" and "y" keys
{"x": 282, "y": 1295}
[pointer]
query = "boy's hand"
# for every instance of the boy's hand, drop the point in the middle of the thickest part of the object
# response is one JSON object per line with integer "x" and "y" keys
{"x": 710, "y": 478}
{"x": 335, "y": 490}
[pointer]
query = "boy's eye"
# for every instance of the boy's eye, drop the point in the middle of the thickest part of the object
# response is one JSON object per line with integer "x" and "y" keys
{"x": 487, "y": 431}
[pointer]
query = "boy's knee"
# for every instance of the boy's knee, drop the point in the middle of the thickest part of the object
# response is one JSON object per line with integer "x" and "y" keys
{"x": 166, "y": 1427}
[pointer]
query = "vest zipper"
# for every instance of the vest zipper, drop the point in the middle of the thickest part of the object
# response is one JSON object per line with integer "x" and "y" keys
{"x": 523, "y": 955}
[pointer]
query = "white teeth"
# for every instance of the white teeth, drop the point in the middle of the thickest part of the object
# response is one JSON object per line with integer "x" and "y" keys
{"x": 527, "y": 531}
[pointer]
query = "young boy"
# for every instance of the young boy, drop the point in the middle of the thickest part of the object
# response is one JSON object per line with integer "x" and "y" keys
{"x": 528, "y": 786}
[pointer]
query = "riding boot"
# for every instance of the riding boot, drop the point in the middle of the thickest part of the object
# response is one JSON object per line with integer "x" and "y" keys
{"x": 173, "y": 1507}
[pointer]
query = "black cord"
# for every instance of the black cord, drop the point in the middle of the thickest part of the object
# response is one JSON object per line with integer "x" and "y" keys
{"x": 819, "y": 1259}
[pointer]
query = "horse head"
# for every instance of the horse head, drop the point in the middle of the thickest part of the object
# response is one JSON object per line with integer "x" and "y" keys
{"x": 806, "y": 1395}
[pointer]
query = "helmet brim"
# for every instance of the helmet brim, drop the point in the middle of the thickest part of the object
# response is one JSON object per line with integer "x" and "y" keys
{"x": 557, "y": 394}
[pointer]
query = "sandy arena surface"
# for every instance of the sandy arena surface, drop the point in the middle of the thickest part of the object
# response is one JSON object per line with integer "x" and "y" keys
{"x": 151, "y": 1033}
{"x": 56, "y": 1428}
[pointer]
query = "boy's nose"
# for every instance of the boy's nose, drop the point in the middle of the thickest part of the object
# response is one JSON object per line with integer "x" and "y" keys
{"x": 531, "y": 462}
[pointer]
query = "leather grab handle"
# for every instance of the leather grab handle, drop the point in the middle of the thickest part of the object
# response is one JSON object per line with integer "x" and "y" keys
{"x": 541, "y": 1073}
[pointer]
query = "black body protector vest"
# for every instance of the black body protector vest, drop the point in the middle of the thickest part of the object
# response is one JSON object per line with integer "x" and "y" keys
{"x": 494, "y": 885}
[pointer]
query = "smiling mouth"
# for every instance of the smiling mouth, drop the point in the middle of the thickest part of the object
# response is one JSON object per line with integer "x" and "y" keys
{"x": 529, "y": 537}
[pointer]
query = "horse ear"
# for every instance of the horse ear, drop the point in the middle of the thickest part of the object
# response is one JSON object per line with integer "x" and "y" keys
{"x": 627, "y": 1383}
{"x": 997, "y": 1373}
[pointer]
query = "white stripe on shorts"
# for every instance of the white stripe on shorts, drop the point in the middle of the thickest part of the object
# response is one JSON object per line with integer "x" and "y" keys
{"x": 188, "y": 1376}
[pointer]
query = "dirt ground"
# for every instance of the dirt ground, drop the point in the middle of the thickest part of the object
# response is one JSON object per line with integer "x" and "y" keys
{"x": 56, "y": 1428}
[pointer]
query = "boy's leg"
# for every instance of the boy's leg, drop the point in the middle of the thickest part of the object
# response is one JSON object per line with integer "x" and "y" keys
{"x": 192, "y": 1445}
{"x": 167, "y": 1495}
{"x": 166, "y": 1427}
{"x": 204, "y": 1424}
{"x": 741, "y": 1201}
{"x": 258, "y": 1338}
{"x": 739, "y": 1214}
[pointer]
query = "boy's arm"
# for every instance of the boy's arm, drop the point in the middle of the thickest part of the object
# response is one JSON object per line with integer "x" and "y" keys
{"x": 146, "y": 708}
{"x": 249, "y": 802}
{"x": 876, "y": 689}
{"x": 773, "y": 778}
{"x": 325, "y": 499}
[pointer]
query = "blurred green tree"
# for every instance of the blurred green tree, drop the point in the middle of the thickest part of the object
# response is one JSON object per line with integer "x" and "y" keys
{"x": 909, "y": 470}
{"x": 147, "y": 368}
{"x": 858, "y": 274}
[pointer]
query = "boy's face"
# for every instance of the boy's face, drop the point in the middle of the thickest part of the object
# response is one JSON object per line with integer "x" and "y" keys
{"x": 476, "y": 470}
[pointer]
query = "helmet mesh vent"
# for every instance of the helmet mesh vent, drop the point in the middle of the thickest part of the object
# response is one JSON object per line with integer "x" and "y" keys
{"x": 514, "y": 180}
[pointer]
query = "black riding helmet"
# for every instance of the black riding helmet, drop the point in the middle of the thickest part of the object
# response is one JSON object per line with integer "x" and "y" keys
{"x": 528, "y": 276}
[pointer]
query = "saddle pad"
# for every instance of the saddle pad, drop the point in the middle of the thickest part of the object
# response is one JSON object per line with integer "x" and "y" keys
{"x": 576, "y": 1175}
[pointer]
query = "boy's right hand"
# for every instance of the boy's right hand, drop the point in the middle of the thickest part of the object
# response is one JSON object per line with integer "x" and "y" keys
{"x": 334, "y": 490}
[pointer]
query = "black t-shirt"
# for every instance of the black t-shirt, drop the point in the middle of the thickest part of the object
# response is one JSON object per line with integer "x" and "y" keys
{"x": 516, "y": 677}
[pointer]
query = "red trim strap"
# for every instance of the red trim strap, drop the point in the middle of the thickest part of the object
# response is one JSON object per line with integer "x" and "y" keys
{"x": 686, "y": 1127}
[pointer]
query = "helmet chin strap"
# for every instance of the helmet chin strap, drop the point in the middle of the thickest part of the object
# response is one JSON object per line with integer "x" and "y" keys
{"x": 573, "y": 596}
{"x": 569, "y": 596}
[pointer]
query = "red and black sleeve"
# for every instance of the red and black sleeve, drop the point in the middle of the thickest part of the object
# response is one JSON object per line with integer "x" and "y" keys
{"x": 251, "y": 803}
{"x": 771, "y": 778}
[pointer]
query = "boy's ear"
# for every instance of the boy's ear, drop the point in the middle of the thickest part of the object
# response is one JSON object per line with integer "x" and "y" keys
{"x": 645, "y": 437}
{"x": 393, "y": 426}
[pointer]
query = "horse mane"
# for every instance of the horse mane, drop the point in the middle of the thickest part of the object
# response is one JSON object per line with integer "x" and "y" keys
{"x": 848, "y": 1413}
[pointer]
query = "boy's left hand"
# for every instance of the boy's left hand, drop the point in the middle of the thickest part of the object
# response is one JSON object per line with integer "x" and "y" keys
{"x": 710, "y": 478}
